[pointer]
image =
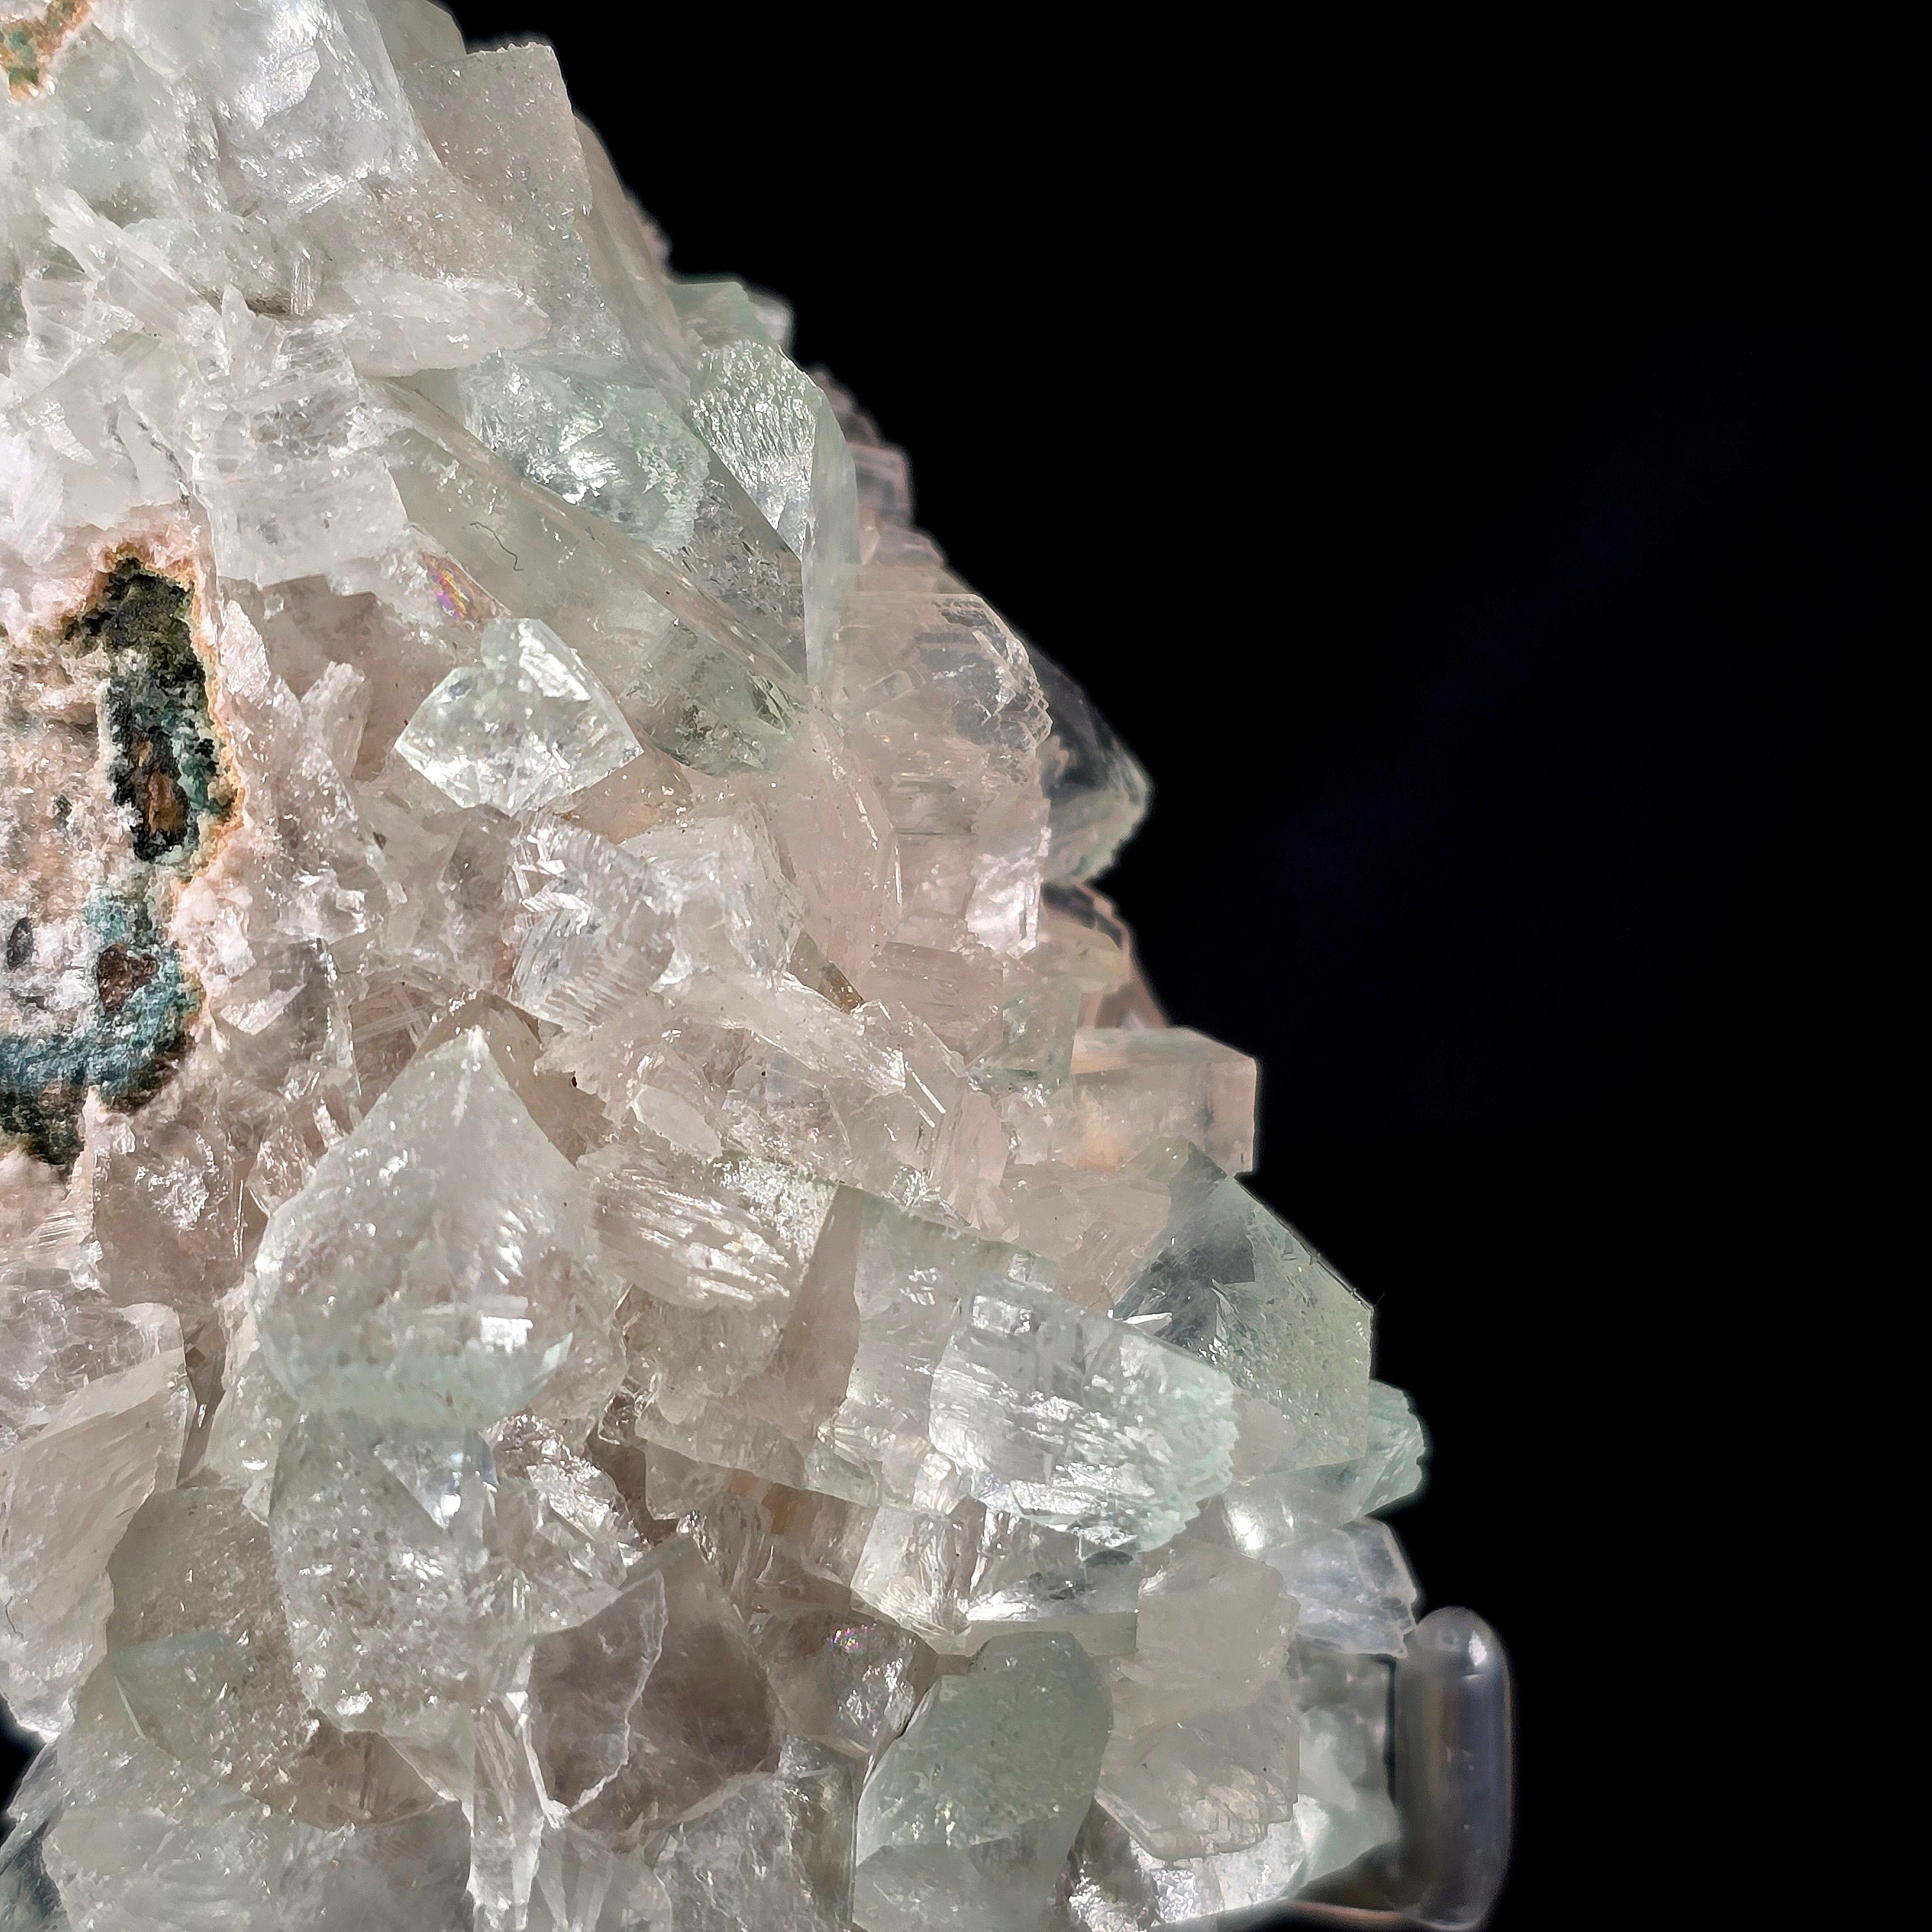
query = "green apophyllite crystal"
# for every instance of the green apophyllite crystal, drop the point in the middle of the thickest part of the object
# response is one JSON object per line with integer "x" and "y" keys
{"x": 965, "y": 1821}
{"x": 1236, "y": 1285}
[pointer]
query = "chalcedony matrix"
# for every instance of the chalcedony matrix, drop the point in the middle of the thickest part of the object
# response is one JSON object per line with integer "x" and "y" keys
{"x": 618, "y": 1309}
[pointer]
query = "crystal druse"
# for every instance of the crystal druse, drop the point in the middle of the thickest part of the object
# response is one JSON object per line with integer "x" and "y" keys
{"x": 618, "y": 1309}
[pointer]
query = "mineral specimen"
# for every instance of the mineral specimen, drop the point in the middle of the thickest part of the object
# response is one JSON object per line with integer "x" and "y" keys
{"x": 618, "y": 1310}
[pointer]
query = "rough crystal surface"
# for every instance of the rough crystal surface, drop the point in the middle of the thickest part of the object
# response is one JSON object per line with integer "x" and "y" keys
{"x": 1077, "y": 1422}
{"x": 618, "y": 1307}
{"x": 956, "y": 1828}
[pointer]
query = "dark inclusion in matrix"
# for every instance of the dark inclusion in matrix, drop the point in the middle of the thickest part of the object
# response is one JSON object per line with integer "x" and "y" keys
{"x": 93, "y": 994}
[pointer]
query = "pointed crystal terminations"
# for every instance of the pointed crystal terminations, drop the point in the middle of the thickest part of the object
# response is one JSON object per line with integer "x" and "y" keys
{"x": 1239, "y": 1288}
{"x": 436, "y": 1267}
{"x": 529, "y": 725}
{"x": 620, "y": 1310}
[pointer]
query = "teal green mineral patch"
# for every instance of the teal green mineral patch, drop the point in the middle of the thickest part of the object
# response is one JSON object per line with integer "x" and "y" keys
{"x": 165, "y": 770}
{"x": 144, "y": 1001}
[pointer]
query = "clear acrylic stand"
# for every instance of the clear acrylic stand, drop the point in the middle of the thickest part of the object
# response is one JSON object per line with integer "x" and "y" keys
{"x": 1453, "y": 1745}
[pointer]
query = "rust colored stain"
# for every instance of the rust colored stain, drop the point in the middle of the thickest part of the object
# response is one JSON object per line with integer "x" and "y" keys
{"x": 117, "y": 973}
{"x": 27, "y": 46}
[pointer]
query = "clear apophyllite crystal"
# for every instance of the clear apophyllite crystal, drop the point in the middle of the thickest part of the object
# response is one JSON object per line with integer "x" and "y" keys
{"x": 1077, "y": 1422}
{"x": 618, "y": 1307}
{"x": 527, "y": 725}
{"x": 436, "y": 1268}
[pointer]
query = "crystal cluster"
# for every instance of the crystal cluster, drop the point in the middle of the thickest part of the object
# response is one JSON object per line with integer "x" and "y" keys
{"x": 618, "y": 1309}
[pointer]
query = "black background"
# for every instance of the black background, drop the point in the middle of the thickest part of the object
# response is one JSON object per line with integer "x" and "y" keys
{"x": 1461, "y": 484}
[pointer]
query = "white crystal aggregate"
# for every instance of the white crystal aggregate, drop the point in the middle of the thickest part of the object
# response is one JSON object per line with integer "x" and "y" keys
{"x": 618, "y": 1308}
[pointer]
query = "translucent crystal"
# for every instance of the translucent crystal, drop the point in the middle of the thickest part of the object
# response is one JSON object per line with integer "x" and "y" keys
{"x": 506, "y": 1814}
{"x": 1353, "y": 1586}
{"x": 739, "y": 1233}
{"x": 1344, "y": 1809}
{"x": 198, "y": 1645}
{"x": 776, "y": 1853}
{"x": 618, "y": 449}
{"x": 398, "y": 1613}
{"x": 1215, "y": 1782}
{"x": 528, "y": 726}
{"x": 93, "y": 1412}
{"x": 773, "y": 429}
{"x": 1097, "y": 793}
{"x": 584, "y": 1683}
{"x": 910, "y": 1278}
{"x": 1134, "y": 1085}
{"x": 1186, "y": 1587}
{"x": 435, "y": 1266}
{"x": 1203, "y": 1753}
{"x": 706, "y": 1714}
{"x": 141, "y": 1838}
{"x": 1270, "y": 1511}
{"x": 962, "y": 1578}
{"x": 965, "y": 1821}
{"x": 1240, "y": 1288}
{"x": 849, "y": 1681}
{"x": 1078, "y": 1422}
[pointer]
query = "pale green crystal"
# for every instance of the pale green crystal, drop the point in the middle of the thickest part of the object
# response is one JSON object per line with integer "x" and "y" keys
{"x": 1270, "y": 1511}
{"x": 198, "y": 1643}
{"x": 617, "y": 448}
{"x": 1237, "y": 1287}
{"x": 1344, "y": 1808}
{"x": 708, "y": 685}
{"x": 964, "y": 1821}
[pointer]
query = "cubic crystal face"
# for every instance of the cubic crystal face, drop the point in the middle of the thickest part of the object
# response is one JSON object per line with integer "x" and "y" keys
{"x": 618, "y": 1309}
